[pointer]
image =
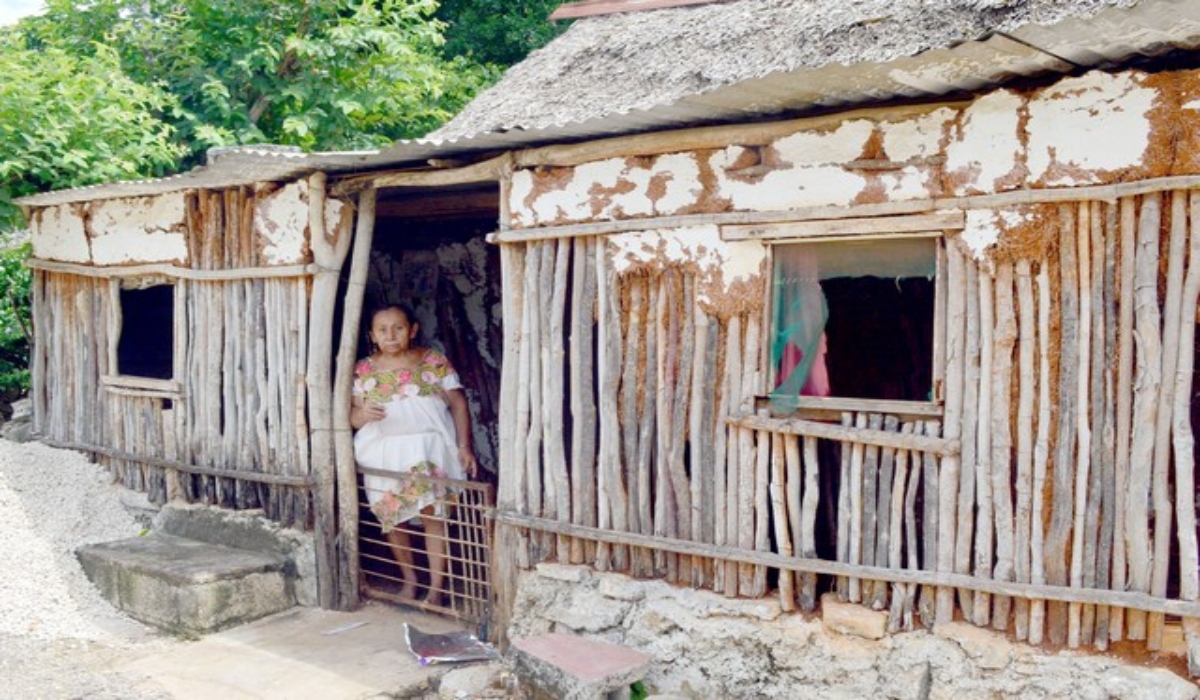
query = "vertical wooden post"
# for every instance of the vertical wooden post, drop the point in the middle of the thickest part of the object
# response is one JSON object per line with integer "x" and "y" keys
{"x": 328, "y": 255}
{"x": 1147, "y": 383}
{"x": 1184, "y": 440}
{"x": 510, "y": 552}
{"x": 1124, "y": 411}
{"x": 1026, "y": 389}
{"x": 583, "y": 398}
{"x": 1163, "y": 510}
{"x": 1083, "y": 431}
{"x": 343, "y": 434}
{"x": 949, "y": 476}
{"x": 984, "y": 525}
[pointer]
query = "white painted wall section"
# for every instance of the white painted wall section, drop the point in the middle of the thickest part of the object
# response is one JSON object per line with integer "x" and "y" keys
{"x": 142, "y": 230}
{"x": 984, "y": 227}
{"x": 281, "y": 224}
{"x": 918, "y": 137}
{"x": 786, "y": 189}
{"x": 988, "y": 147}
{"x": 680, "y": 176}
{"x": 715, "y": 259}
{"x": 1089, "y": 125}
{"x": 58, "y": 234}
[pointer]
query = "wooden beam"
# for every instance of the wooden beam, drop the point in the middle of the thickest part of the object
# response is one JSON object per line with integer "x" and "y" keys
{"x": 171, "y": 271}
{"x": 491, "y": 170}
{"x": 1092, "y": 596}
{"x": 875, "y": 226}
{"x": 304, "y": 482}
{"x": 883, "y": 209}
{"x": 866, "y": 436}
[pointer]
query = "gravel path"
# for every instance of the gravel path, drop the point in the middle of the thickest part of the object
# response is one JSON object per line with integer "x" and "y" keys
{"x": 58, "y": 637}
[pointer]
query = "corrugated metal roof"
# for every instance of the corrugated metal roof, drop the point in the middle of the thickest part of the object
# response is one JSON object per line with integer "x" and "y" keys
{"x": 1110, "y": 38}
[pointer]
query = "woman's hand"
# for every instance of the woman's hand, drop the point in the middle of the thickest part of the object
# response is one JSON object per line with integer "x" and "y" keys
{"x": 368, "y": 413}
{"x": 467, "y": 457}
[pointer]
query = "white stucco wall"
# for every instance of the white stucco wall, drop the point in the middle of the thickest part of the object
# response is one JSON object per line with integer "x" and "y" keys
{"x": 58, "y": 234}
{"x": 715, "y": 260}
{"x": 281, "y": 224}
{"x": 1088, "y": 127}
{"x": 1080, "y": 131}
{"x": 143, "y": 230}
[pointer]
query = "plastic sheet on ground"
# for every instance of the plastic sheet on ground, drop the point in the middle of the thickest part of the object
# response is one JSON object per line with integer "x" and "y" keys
{"x": 447, "y": 647}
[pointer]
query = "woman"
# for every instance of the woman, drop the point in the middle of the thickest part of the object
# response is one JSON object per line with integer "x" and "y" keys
{"x": 412, "y": 417}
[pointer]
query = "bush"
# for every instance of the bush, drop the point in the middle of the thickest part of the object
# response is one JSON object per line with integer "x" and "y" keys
{"x": 16, "y": 327}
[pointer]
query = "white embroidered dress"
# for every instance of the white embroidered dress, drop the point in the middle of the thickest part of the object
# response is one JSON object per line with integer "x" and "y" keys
{"x": 417, "y": 435}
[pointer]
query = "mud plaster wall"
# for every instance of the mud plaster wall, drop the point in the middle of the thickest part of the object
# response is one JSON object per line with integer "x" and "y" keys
{"x": 145, "y": 230}
{"x": 1094, "y": 129}
{"x": 728, "y": 273}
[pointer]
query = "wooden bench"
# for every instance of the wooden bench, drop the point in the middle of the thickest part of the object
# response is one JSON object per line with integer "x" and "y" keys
{"x": 568, "y": 667}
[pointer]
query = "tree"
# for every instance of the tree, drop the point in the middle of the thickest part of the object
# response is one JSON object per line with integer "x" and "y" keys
{"x": 67, "y": 121}
{"x": 319, "y": 74}
{"x": 498, "y": 32}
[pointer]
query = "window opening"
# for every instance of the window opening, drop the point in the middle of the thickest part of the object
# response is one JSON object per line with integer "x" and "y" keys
{"x": 146, "y": 345}
{"x": 853, "y": 319}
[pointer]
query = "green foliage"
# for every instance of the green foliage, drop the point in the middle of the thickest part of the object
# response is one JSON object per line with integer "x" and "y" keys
{"x": 318, "y": 74}
{"x": 15, "y": 320}
{"x": 67, "y": 121}
{"x": 498, "y": 32}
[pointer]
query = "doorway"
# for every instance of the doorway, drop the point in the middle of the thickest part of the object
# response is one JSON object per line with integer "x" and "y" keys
{"x": 430, "y": 254}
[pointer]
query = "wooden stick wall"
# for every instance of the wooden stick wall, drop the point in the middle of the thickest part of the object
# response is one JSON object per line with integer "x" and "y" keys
{"x": 1063, "y": 462}
{"x": 240, "y": 351}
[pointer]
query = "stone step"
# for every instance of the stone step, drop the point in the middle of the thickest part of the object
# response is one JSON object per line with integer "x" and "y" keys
{"x": 568, "y": 667}
{"x": 186, "y": 587}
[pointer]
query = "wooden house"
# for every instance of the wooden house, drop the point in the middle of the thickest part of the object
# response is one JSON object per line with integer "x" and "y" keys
{"x": 891, "y": 300}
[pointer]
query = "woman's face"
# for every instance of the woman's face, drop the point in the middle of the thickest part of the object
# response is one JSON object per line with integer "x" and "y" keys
{"x": 391, "y": 331}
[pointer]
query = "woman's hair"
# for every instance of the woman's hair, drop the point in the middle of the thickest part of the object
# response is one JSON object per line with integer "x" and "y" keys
{"x": 390, "y": 306}
{"x": 377, "y": 309}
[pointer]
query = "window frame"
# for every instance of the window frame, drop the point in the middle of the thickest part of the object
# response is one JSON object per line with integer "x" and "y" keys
{"x": 116, "y": 382}
{"x": 936, "y": 225}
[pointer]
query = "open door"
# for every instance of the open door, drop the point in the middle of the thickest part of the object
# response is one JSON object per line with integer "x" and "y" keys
{"x": 429, "y": 252}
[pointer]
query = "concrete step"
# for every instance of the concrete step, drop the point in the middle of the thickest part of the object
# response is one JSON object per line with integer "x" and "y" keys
{"x": 187, "y": 587}
{"x": 568, "y": 667}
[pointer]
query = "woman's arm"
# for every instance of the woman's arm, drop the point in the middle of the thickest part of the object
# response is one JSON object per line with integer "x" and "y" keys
{"x": 460, "y": 410}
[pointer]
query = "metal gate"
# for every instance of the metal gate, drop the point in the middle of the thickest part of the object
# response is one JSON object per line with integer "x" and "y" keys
{"x": 459, "y": 520}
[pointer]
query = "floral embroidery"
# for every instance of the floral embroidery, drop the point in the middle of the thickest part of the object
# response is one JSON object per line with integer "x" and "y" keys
{"x": 380, "y": 386}
{"x": 411, "y": 495}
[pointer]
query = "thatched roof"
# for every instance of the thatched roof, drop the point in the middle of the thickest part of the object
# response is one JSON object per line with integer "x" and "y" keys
{"x": 621, "y": 63}
{"x": 739, "y": 60}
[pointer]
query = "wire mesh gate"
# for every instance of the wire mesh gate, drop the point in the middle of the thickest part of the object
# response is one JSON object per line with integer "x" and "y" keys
{"x": 450, "y": 540}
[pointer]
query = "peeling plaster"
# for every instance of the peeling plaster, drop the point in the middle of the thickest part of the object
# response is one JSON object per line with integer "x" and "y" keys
{"x": 616, "y": 188}
{"x": 1082, "y": 128}
{"x": 918, "y": 137}
{"x": 984, "y": 227}
{"x": 988, "y": 148}
{"x": 281, "y": 223}
{"x": 58, "y": 234}
{"x": 837, "y": 146}
{"x": 142, "y": 230}
{"x": 334, "y": 210}
{"x": 786, "y": 189}
{"x": 701, "y": 246}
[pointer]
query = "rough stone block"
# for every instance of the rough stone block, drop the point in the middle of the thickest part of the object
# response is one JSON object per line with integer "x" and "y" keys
{"x": 563, "y": 572}
{"x": 988, "y": 649}
{"x": 852, "y": 619}
{"x": 567, "y": 667}
{"x": 186, "y": 587}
